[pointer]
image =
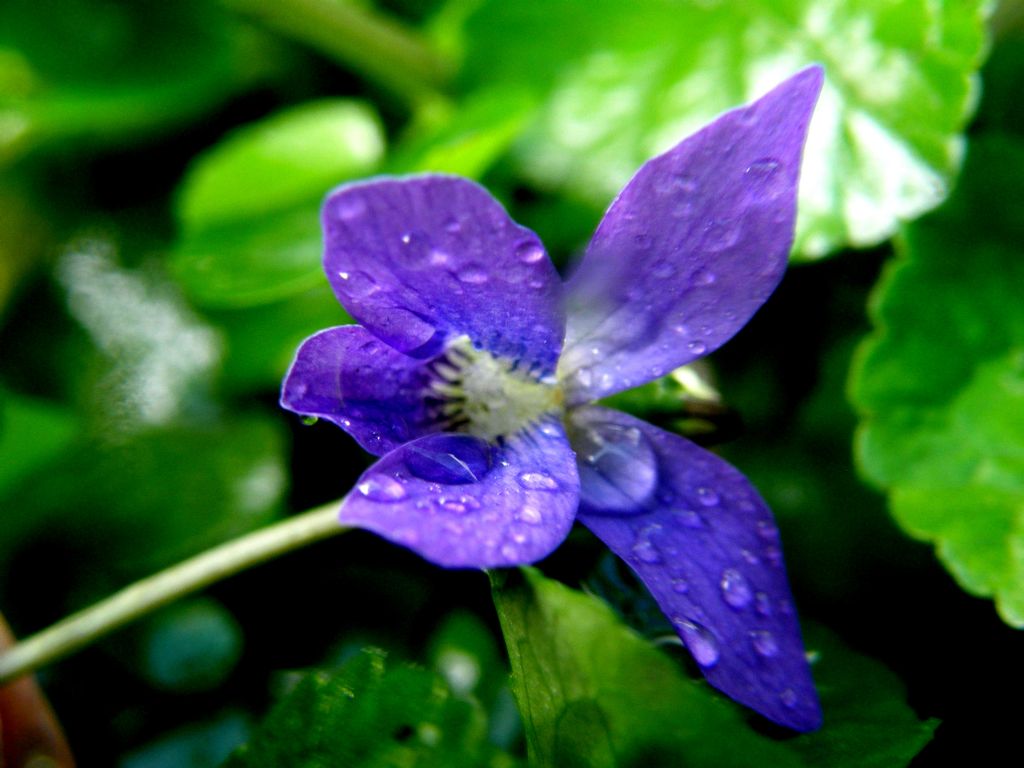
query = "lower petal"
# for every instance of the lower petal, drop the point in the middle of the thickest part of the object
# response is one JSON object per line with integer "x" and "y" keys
{"x": 704, "y": 543}
{"x": 461, "y": 502}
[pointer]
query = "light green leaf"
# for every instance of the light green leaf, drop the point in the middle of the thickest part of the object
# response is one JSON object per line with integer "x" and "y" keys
{"x": 252, "y": 262}
{"x": 594, "y": 693}
{"x": 939, "y": 385}
{"x": 373, "y": 715}
{"x": 249, "y": 208}
{"x": 635, "y": 78}
{"x": 282, "y": 161}
{"x": 468, "y": 141}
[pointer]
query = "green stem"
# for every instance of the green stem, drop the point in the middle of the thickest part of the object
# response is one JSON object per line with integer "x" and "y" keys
{"x": 375, "y": 45}
{"x": 78, "y": 630}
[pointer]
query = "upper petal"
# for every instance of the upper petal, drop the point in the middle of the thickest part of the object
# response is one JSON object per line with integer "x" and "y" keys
{"x": 421, "y": 259}
{"x": 375, "y": 393}
{"x": 462, "y": 503}
{"x": 704, "y": 543}
{"x": 690, "y": 248}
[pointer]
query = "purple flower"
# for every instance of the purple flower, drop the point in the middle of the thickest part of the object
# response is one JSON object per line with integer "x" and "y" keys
{"x": 473, "y": 367}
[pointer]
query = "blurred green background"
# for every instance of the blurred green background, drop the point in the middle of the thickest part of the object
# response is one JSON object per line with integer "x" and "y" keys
{"x": 161, "y": 169}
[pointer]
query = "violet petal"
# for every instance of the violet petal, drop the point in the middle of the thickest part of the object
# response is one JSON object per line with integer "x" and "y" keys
{"x": 691, "y": 247}
{"x": 350, "y": 377}
{"x": 463, "y": 503}
{"x": 422, "y": 259}
{"x": 705, "y": 545}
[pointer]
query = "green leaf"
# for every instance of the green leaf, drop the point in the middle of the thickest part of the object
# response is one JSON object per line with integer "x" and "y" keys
{"x": 249, "y": 208}
{"x": 372, "y": 715}
{"x": 1000, "y": 109}
{"x": 868, "y": 723}
{"x": 252, "y": 262}
{"x": 279, "y": 162}
{"x": 939, "y": 385}
{"x": 593, "y": 693}
{"x": 467, "y": 142}
{"x": 101, "y": 71}
{"x": 32, "y": 433}
{"x": 635, "y": 78}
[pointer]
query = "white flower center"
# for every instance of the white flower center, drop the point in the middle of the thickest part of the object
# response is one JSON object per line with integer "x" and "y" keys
{"x": 488, "y": 396}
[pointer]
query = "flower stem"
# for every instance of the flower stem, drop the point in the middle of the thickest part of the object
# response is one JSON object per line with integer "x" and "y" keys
{"x": 78, "y": 630}
{"x": 377, "y": 46}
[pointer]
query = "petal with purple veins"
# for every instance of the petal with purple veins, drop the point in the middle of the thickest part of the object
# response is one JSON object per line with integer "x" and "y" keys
{"x": 691, "y": 247}
{"x": 705, "y": 545}
{"x": 422, "y": 259}
{"x": 375, "y": 393}
{"x": 461, "y": 502}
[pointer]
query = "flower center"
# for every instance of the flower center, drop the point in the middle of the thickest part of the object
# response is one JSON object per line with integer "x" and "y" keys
{"x": 488, "y": 396}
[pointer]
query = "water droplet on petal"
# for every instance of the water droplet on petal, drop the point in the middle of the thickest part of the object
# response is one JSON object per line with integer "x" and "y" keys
{"x": 530, "y": 515}
{"x": 697, "y": 347}
{"x": 357, "y": 285}
{"x": 537, "y": 481}
{"x": 686, "y": 183}
{"x": 349, "y": 207}
{"x": 618, "y": 467}
{"x": 703, "y": 277}
{"x": 451, "y": 505}
{"x": 584, "y": 377}
{"x": 765, "y": 179}
{"x": 680, "y": 586}
{"x": 721, "y": 235}
{"x": 416, "y": 249}
{"x": 707, "y": 497}
{"x": 449, "y": 459}
{"x": 749, "y": 557}
{"x": 767, "y": 530}
{"x": 735, "y": 589}
{"x": 690, "y": 518}
{"x": 764, "y": 643}
{"x": 472, "y": 273}
{"x": 529, "y": 252}
{"x": 509, "y": 552}
{"x": 700, "y": 642}
{"x": 789, "y": 698}
{"x": 452, "y": 225}
{"x": 438, "y": 258}
{"x": 763, "y": 604}
{"x": 644, "y": 549}
{"x": 381, "y": 488}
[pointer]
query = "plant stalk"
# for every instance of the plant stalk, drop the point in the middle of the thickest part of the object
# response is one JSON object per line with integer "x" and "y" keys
{"x": 379, "y": 47}
{"x": 80, "y": 629}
